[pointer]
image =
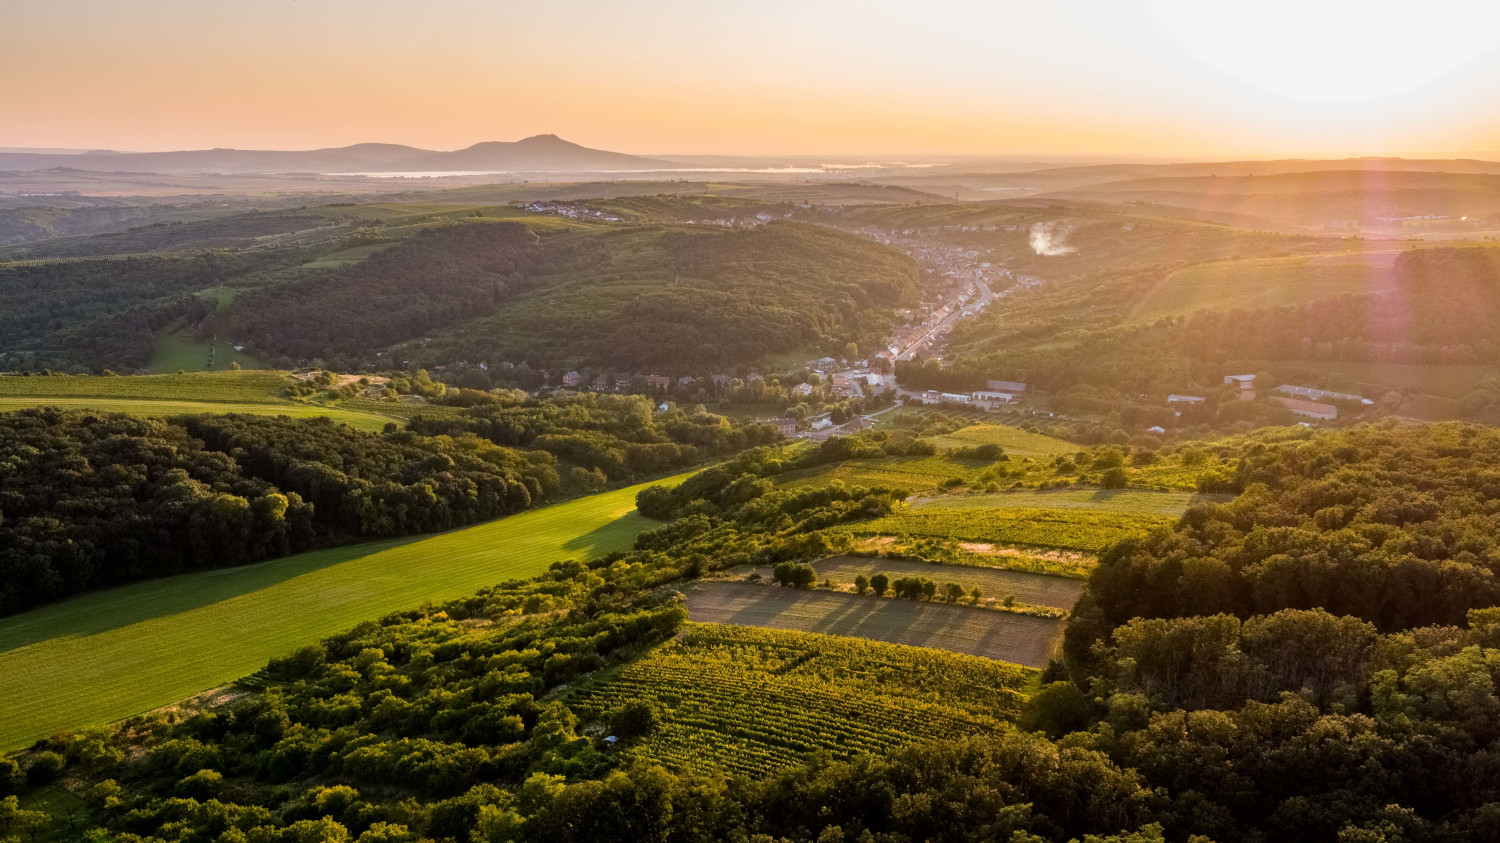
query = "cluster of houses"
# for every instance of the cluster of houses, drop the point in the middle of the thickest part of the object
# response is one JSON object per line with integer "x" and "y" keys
{"x": 569, "y": 210}
{"x": 995, "y": 394}
{"x": 819, "y": 429}
{"x": 655, "y": 383}
{"x": 1307, "y": 401}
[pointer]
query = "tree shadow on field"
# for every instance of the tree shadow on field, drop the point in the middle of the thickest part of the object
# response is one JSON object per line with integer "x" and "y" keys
{"x": 618, "y": 534}
{"x": 122, "y": 606}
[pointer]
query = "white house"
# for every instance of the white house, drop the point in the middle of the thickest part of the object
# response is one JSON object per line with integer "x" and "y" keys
{"x": 1185, "y": 399}
{"x": 1315, "y": 394}
{"x": 1242, "y": 381}
{"x": 955, "y": 397}
{"x": 992, "y": 395}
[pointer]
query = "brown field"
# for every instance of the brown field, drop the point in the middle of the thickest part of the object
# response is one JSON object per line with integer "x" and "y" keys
{"x": 1003, "y": 636}
{"x": 1026, "y": 587}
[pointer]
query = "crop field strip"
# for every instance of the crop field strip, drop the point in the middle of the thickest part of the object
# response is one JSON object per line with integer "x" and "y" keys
{"x": 1016, "y": 442}
{"x": 1035, "y": 589}
{"x": 146, "y": 407}
{"x": 1068, "y": 529}
{"x": 752, "y": 700}
{"x": 1003, "y": 636}
{"x": 1128, "y": 501}
{"x": 249, "y": 392}
{"x": 114, "y": 653}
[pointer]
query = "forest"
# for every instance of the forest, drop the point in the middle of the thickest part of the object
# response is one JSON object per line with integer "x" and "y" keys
{"x": 89, "y": 315}
{"x": 690, "y": 301}
{"x": 1179, "y": 714}
{"x": 438, "y": 277}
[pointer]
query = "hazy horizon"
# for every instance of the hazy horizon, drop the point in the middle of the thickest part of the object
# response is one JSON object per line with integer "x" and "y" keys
{"x": 1162, "y": 79}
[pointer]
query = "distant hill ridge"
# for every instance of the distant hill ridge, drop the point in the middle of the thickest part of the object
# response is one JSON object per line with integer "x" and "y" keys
{"x": 539, "y": 153}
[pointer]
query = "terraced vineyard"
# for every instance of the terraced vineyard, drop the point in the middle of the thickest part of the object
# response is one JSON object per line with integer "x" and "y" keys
{"x": 1019, "y": 639}
{"x": 751, "y": 701}
{"x": 1069, "y": 529}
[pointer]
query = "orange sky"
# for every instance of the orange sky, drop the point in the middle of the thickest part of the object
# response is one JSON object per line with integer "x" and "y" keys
{"x": 1155, "y": 77}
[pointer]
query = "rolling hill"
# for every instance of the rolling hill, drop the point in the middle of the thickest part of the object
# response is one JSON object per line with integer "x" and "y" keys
{"x": 540, "y": 153}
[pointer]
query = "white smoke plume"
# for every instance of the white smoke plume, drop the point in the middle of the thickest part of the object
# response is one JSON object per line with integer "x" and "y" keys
{"x": 1048, "y": 238}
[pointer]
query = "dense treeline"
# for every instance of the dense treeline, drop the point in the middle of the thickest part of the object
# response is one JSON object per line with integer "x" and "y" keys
{"x": 691, "y": 301}
{"x": 440, "y": 277}
{"x": 1385, "y": 523}
{"x": 96, "y": 499}
{"x": 618, "y": 437}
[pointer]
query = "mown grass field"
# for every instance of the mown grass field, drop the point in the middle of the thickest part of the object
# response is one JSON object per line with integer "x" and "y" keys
{"x": 1017, "y": 443}
{"x": 241, "y": 386}
{"x": 997, "y": 583}
{"x": 139, "y": 407}
{"x": 176, "y": 351}
{"x": 753, "y": 700}
{"x": 1263, "y": 282}
{"x": 1068, "y": 529}
{"x": 1127, "y": 501}
{"x": 111, "y": 654}
{"x": 914, "y": 474}
{"x": 249, "y": 392}
{"x": 1003, "y": 636}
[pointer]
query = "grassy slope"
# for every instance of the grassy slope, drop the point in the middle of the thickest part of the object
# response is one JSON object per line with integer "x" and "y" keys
{"x": 115, "y": 653}
{"x": 1264, "y": 282}
{"x": 1019, "y": 639}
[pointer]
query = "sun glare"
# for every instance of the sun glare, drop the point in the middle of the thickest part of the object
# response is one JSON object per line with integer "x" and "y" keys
{"x": 1333, "y": 52}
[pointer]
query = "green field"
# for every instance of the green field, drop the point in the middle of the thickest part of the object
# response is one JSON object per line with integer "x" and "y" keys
{"x": 119, "y": 652}
{"x": 1088, "y": 530}
{"x": 139, "y": 407}
{"x": 250, "y": 392}
{"x": 1003, "y": 636}
{"x": 914, "y": 474}
{"x": 1263, "y": 282}
{"x": 242, "y": 386}
{"x": 1128, "y": 501}
{"x": 1017, "y": 443}
{"x": 752, "y": 700}
{"x": 175, "y": 351}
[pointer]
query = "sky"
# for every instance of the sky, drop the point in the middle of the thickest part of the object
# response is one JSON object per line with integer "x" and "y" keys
{"x": 1154, "y": 78}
